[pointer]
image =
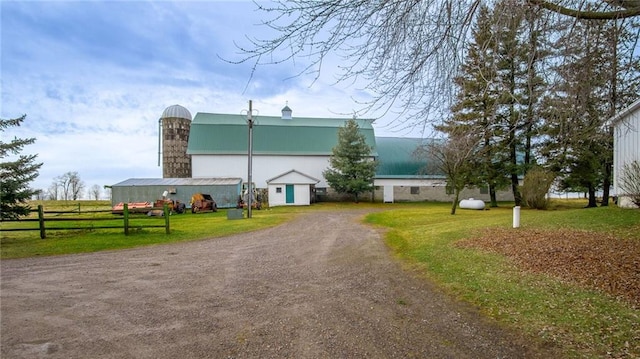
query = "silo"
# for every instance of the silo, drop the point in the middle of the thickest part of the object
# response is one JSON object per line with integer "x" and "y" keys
{"x": 175, "y": 123}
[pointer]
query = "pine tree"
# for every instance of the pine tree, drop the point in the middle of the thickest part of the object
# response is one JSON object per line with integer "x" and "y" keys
{"x": 474, "y": 108}
{"x": 512, "y": 75}
{"x": 498, "y": 92}
{"x": 594, "y": 83}
{"x": 351, "y": 168}
{"x": 15, "y": 175}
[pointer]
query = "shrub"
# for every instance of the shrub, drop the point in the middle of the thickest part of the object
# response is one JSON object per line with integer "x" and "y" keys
{"x": 629, "y": 182}
{"x": 536, "y": 186}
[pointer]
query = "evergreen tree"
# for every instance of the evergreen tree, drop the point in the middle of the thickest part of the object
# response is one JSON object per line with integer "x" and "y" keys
{"x": 498, "y": 92}
{"x": 474, "y": 112}
{"x": 351, "y": 168}
{"x": 512, "y": 77}
{"x": 536, "y": 52}
{"x": 15, "y": 175}
{"x": 594, "y": 84}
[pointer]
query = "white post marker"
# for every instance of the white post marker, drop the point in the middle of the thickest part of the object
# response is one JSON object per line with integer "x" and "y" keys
{"x": 516, "y": 216}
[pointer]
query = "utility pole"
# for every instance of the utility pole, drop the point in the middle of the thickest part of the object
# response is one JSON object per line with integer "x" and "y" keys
{"x": 250, "y": 155}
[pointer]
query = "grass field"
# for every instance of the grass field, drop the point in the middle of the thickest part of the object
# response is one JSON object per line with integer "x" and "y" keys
{"x": 585, "y": 323}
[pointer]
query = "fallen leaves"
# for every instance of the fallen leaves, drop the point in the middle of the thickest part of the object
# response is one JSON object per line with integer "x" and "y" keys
{"x": 601, "y": 261}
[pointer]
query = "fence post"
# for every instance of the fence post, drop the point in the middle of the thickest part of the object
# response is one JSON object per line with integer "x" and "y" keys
{"x": 125, "y": 213}
{"x": 41, "y": 221}
{"x": 78, "y": 207}
{"x": 166, "y": 218}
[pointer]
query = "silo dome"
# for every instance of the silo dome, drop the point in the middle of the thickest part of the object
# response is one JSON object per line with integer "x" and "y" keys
{"x": 176, "y": 111}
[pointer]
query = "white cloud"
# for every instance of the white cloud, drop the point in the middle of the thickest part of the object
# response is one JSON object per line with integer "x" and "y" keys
{"x": 94, "y": 77}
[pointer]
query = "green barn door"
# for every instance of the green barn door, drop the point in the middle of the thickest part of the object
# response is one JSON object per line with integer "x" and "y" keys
{"x": 289, "y": 193}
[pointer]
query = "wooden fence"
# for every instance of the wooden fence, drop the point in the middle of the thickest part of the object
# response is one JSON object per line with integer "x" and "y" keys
{"x": 126, "y": 218}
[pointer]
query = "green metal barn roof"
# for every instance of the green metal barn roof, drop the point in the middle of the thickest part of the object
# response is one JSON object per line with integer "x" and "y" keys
{"x": 213, "y": 133}
{"x": 397, "y": 158}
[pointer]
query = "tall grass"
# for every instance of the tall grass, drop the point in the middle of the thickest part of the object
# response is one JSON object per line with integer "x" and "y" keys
{"x": 583, "y": 322}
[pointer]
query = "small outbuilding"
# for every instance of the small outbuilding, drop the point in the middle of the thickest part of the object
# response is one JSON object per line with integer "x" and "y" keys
{"x": 225, "y": 191}
{"x": 626, "y": 146}
{"x": 291, "y": 188}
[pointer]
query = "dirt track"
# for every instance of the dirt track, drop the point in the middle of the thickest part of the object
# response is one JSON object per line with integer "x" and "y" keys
{"x": 321, "y": 286}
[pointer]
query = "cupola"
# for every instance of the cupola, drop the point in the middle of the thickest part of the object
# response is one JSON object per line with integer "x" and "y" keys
{"x": 286, "y": 112}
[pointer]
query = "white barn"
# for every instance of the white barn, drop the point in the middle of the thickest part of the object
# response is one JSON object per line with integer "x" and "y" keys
{"x": 286, "y": 151}
{"x": 291, "y": 153}
{"x": 626, "y": 146}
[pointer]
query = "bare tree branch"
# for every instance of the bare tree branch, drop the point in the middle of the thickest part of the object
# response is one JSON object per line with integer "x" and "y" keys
{"x": 405, "y": 54}
{"x": 631, "y": 9}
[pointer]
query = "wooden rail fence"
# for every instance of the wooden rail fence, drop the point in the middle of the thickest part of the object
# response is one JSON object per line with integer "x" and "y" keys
{"x": 126, "y": 218}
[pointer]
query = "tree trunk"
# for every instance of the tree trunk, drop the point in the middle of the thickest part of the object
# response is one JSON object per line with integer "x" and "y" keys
{"x": 492, "y": 195}
{"x": 517, "y": 197}
{"x": 455, "y": 202}
{"x": 613, "y": 100}
{"x": 592, "y": 197}
{"x": 606, "y": 183}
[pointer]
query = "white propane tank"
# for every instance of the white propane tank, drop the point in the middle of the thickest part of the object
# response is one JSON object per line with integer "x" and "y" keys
{"x": 472, "y": 204}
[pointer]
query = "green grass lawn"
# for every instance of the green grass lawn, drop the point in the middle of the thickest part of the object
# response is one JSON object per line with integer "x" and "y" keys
{"x": 583, "y": 322}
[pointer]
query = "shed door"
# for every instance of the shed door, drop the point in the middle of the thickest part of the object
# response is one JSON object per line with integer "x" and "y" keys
{"x": 388, "y": 194}
{"x": 289, "y": 194}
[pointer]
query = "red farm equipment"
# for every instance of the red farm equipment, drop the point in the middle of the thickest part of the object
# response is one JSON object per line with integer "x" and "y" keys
{"x": 203, "y": 202}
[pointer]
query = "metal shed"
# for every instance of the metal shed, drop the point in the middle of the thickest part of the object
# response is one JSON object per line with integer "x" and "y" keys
{"x": 225, "y": 191}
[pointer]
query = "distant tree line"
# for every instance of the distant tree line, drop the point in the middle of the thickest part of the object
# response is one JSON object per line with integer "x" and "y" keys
{"x": 69, "y": 186}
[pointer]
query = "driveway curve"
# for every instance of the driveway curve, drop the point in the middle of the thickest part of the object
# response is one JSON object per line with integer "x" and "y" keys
{"x": 321, "y": 286}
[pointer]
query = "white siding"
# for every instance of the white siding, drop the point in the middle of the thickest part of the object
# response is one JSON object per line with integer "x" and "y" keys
{"x": 301, "y": 195}
{"x": 275, "y": 198}
{"x": 626, "y": 146}
{"x": 400, "y": 190}
{"x": 264, "y": 167}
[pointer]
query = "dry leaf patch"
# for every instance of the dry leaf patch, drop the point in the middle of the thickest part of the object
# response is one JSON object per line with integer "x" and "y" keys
{"x": 596, "y": 260}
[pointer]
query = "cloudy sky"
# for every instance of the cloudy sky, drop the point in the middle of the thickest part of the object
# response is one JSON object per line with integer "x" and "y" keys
{"x": 93, "y": 77}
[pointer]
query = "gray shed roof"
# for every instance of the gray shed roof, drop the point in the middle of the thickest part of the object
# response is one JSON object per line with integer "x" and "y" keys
{"x": 178, "y": 182}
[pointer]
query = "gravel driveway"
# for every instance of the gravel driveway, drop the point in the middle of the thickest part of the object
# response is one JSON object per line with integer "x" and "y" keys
{"x": 321, "y": 286}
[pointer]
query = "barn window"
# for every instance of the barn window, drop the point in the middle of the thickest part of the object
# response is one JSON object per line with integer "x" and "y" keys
{"x": 278, "y": 189}
{"x": 484, "y": 190}
{"x": 415, "y": 190}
